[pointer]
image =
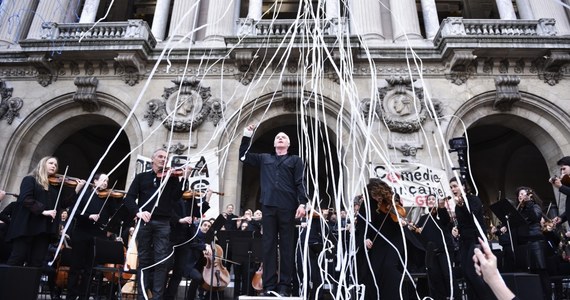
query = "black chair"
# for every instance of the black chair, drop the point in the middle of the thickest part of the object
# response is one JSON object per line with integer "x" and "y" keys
{"x": 108, "y": 260}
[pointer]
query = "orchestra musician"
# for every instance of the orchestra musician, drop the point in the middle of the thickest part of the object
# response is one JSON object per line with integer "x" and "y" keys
{"x": 435, "y": 232}
{"x": 34, "y": 222}
{"x": 229, "y": 215}
{"x": 557, "y": 182}
{"x": 87, "y": 227}
{"x": 154, "y": 209}
{"x": 2, "y": 195}
{"x": 283, "y": 199}
{"x": 385, "y": 269}
{"x": 184, "y": 260}
{"x": 199, "y": 250}
{"x": 530, "y": 238}
{"x": 468, "y": 239}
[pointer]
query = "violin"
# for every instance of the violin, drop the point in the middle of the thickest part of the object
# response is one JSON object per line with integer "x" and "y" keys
{"x": 564, "y": 179}
{"x": 111, "y": 193}
{"x": 57, "y": 179}
{"x": 174, "y": 172}
{"x": 191, "y": 194}
{"x": 216, "y": 277}
{"x": 385, "y": 206}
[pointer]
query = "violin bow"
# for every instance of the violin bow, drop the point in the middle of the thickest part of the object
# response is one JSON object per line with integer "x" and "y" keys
{"x": 60, "y": 189}
{"x": 107, "y": 198}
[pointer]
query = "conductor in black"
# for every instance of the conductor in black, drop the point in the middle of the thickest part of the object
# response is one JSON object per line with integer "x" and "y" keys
{"x": 283, "y": 199}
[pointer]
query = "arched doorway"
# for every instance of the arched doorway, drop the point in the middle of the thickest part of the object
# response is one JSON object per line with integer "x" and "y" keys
{"x": 503, "y": 159}
{"x": 324, "y": 163}
{"x": 82, "y": 150}
{"x": 512, "y": 148}
{"x": 78, "y": 138}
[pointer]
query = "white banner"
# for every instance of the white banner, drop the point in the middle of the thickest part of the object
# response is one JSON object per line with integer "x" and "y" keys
{"x": 414, "y": 182}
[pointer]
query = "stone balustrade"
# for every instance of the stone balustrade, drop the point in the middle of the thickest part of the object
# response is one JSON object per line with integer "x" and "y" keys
{"x": 252, "y": 27}
{"x": 130, "y": 30}
{"x": 459, "y": 27}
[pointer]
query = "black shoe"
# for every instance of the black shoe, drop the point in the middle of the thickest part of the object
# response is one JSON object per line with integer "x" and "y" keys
{"x": 270, "y": 293}
{"x": 284, "y": 292}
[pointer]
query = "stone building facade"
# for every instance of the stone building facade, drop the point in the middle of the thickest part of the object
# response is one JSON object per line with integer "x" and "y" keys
{"x": 376, "y": 82}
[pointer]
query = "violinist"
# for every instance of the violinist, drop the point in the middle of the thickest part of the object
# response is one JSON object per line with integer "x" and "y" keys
{"x": 558, "y": 183}
{"x": 154, "y": 209}
{"x": 385, "y": 268}
{"x": 184, "y": 260}
{"x": 2, "y": 194}
{"x": 469, "y": 234}
{"x": 34, "y": 222}
{"x": 435, "y": 233}
{"x": 530, "y": 238}
{"x": 92, "y": 211}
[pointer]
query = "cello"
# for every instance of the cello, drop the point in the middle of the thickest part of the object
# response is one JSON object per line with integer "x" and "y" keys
{"x": 216, "y": 277}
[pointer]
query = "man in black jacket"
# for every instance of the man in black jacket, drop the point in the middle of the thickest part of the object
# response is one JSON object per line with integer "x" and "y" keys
{"x": 283, "y": 199}
{"x": 155, "y": 209}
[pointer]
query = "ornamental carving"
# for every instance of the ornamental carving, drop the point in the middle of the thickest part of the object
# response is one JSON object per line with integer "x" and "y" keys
{"x": 507, "y": 92}
{"x": 86, "y": 93}
{"x": 185, "y": 106}
{"x": 9, "y": 106}
{"x": 401, "y": 105}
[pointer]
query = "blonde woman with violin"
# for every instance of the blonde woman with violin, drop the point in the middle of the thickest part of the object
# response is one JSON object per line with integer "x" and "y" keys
{"x": 35, "y": 221}
{"x": 93, "y": 210}
{"x": 385, "y": 269}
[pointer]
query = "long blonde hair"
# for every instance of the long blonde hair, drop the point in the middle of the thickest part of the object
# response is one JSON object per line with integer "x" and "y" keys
{"x": 40, "y": 172}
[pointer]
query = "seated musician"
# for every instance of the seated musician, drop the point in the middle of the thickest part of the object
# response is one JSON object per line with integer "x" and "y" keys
{"x": 185, "y": 211}
{"x": 195, "y": 264}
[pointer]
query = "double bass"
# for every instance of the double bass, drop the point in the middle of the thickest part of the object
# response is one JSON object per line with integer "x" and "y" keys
{"x": 216, "y": 277}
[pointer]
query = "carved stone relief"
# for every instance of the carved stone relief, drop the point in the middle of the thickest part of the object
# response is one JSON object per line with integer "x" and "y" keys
{"x": 185, "y": 106}
{"x": 9, "y": 106}
{"x": 507, "y": 92}
{"x": 86, "y": 93}
{"x": 401, "y": 105}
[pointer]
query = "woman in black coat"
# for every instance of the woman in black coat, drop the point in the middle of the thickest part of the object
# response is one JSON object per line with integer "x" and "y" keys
{"x": 34, "y": 221}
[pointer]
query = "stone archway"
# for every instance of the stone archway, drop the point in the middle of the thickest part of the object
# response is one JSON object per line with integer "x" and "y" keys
{"x": 513, "y": 148}
{"x": 273, "y": 119}
{"x": 44, "y": 130}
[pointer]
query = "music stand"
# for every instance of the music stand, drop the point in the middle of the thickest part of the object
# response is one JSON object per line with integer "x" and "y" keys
{"x": 246, "y": 248}
{"x": 211, "y": 239}
{"x": 508, "y": 214}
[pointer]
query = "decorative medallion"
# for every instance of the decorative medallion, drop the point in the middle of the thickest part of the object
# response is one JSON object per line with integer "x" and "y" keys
{"x": 401, "y": 105}
{"x": 185, "y": 106}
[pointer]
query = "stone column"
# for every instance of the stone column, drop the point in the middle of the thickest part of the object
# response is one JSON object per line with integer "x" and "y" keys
{"x": 551, "y": 9}
{"x": 187, "y": 24}
{"x": 15, "y": 20}
{"x": 255, "y": 9}
{"x": 220, "y": 22}
{"x": 405, "y": 22}
{"x": 506, "y": 10}
{"x": 73, "y": 12}
{"x": 160, "y": 19}
{"x": 89, "y": 12}
{"x": 366, "y": 21}
{"x": 47, "y": 11}
{"x": 525, "y": 12}
{"x": 332, "y": 9}
{"x": 431, "y": 20}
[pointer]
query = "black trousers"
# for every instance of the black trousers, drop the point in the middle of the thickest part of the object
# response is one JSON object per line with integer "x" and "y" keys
{"x": 30, "y": 249}
{"x": 278, "y": 229}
